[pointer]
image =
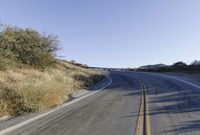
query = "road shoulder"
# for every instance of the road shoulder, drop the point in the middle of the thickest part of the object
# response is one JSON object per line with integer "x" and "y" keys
{"x": 16, "y": 122}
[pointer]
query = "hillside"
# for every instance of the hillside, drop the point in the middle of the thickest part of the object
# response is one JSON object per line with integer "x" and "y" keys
{"x": 32, "y": 79}
{"x": 152, "y": 67}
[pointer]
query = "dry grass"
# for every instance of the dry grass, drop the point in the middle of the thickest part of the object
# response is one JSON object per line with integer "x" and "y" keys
{"x": 31, "y": 90}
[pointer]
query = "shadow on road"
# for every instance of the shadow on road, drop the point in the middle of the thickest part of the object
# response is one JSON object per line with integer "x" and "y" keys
{"x": 175, "y": 99}
{"x": 188, "y": 126}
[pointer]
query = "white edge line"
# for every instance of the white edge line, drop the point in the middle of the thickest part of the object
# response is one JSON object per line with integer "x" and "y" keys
{"x": 172, "y": 77}
{"x": 175, "y": 78}
{"x": 9, "y": 129}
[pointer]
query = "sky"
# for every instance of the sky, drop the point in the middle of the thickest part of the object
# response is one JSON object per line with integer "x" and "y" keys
{"x": 113, "y": 33}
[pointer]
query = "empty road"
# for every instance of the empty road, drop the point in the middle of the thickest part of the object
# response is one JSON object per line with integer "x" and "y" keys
{"x": 134, "y": 103}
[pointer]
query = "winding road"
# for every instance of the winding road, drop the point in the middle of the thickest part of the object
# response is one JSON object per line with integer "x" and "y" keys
{"x": 134, "y": 103}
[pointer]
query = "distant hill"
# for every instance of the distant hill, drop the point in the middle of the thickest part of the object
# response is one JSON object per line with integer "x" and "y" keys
{"x": 196, "y": 62}
{"x": 152, "y": 67}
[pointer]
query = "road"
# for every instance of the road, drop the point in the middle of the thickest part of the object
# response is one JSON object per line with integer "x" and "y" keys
{"x": 133, "y": 103}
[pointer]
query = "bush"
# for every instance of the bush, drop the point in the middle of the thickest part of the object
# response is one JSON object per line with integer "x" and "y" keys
{"x": 32, "y": 90}
{"x": 10, "y": 102}
{"x": 27, "y": 47}
{"x": 24, "y": 90}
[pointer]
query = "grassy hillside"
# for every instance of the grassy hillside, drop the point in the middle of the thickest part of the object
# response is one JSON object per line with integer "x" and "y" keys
{"x": 31, "y": 78}
{"x": 31, "y": 90}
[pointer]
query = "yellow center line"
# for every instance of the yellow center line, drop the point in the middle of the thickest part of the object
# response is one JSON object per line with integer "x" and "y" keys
{"x": 148, "y": 125}
{"x": 143, "y": 120}
{"x": 140, "y": 119}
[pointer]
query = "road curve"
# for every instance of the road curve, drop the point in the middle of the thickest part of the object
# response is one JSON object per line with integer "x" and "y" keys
{"x": 173, "y": 108}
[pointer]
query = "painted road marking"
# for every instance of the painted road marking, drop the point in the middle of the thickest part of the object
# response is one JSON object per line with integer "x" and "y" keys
{"x": 143, "y": 121}
{"x": 12, "y": 128}
{"x": 140, "y": 119}
{"x": 148, "y": 125}
{"x": 175, "y": 78}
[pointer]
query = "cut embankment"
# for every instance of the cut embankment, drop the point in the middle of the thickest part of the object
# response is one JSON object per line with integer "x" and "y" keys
{"x": 32, "y": 79}
{"x": 24, "y": 90}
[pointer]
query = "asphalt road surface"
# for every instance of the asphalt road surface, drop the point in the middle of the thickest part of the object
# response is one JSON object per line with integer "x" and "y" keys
{"x": 151, "y": 103}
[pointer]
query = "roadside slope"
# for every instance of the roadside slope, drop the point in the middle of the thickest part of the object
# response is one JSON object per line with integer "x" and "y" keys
{"x": 112, "y": 111}
{"x": 32, "y": 79}
{"x": 25, "y": 90}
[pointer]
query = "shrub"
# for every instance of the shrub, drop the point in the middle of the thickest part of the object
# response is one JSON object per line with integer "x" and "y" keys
{"x": 28, "y": 89}
{"x": 26, "y": 46}
{"x": 32, "y": 90}
{"x": 10, "y": 102}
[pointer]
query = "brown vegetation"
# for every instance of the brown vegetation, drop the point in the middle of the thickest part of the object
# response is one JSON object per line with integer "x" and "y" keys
{"x": 32, "y": 90}
{"x": 31, "y": 78}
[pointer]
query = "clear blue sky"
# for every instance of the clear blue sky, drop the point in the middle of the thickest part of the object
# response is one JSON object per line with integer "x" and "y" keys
{"x": 114, "y": 33}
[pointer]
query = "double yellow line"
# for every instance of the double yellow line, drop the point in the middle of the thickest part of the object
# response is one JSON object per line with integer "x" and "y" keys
{"x": 143, "y": 120}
